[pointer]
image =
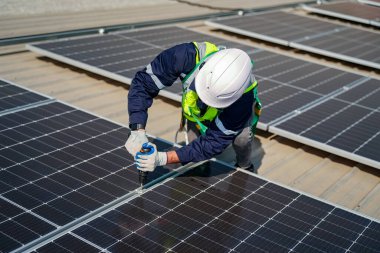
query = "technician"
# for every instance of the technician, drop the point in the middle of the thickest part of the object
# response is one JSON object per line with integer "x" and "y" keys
{"x": 219, "y": 103}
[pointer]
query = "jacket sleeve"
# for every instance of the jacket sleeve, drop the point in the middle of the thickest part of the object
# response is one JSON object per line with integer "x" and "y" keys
{"x": 221, "y": 133}
{"x": 160, "y": 73}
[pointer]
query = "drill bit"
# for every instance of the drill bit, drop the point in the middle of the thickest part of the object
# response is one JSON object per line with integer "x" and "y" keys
{"x": 143, "y": 176}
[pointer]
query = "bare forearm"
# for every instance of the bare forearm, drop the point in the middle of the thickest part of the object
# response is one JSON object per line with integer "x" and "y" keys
{"x": 172, "y": 157}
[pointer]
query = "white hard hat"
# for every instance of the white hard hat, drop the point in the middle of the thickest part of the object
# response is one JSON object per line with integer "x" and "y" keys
{"x": 224, "y": 78}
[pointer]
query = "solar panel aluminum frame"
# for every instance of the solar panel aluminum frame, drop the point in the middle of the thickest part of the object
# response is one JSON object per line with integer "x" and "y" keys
{"x": 293, "y": 44}
{"x": 334, "y": 55}
{"x": 375, "y": 23}
{"x": 340, "y": 15}
{"x": 48, "y": 99}
{"x": 97, "y": 70}
{"x": 369, "y": 2}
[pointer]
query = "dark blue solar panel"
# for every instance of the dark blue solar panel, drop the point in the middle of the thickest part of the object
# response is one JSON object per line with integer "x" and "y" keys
{"x": 215, "y": 209}
{"x": 349, "y": 121}
{"x": 58, "y": 164}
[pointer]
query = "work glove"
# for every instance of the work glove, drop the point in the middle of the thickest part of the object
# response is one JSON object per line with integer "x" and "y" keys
{"x": 135, "y": 140}
{"x": 148, "y": 161}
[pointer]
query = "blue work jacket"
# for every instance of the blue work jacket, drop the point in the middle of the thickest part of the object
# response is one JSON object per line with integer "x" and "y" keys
{"x": 163, "y": 71}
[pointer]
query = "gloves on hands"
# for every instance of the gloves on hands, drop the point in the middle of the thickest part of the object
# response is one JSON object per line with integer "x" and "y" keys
{"x": 145, "y": 161}
{"x": 150, "y": 160}
{"x": 135, "y": 141}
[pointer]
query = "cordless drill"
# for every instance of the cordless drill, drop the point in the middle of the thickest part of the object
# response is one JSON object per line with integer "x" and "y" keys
{"x": 143, "y": 175}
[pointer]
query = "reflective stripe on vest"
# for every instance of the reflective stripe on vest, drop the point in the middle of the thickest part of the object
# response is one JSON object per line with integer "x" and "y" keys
{"x": 204, "y": 49}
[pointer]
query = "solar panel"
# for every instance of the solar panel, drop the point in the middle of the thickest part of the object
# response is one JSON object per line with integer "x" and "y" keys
{"x": 215, "y": 209}
{"x": 346, "y": 124}
{"x": 348, "y": 10}
{"x": 371, "y": 2}
{"x": 13, "y": 97}
{"x": 58, "y": 165}
{"x": 309, "y": 34}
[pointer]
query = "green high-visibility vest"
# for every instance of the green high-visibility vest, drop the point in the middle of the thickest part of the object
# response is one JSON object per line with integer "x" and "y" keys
{"x": 190, "y": 97}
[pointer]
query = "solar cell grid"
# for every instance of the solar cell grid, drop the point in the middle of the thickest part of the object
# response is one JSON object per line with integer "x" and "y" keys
{"x": 58, "y": 164}
{"x": 309, "y": 34}
{"x": 13, "y": 97}
{"x": 355, "y": 111}
{"x": 289, "y": 84}
{"x": 223, "y": 211}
